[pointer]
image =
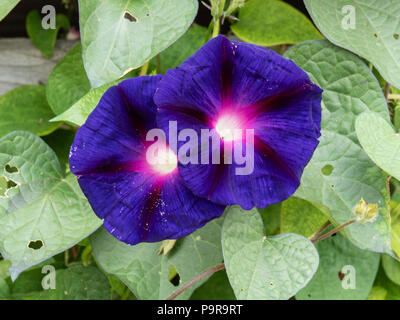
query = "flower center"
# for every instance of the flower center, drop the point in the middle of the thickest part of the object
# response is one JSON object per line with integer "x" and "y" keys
{"x": 226, "y": 127}
{"x": 165, "y": 161}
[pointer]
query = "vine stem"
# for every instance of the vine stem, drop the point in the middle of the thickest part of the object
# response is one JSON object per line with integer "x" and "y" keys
{"x": 323, "y": 228}
{"x": 216, "y": 28}
{"x": 196, "y": 279}
{"x": 327, "y": 235}
{"x": 145, "y": 67}
{"x": 387, "y": 91}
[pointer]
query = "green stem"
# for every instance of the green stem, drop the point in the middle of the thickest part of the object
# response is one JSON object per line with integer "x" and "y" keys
{"x": 145, "y": 67}
{"x": 217, "y": 23}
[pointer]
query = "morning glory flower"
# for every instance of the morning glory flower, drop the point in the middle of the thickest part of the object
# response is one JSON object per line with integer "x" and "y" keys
{"x": 139, "y": 200}
{"x": 229, "y": 86}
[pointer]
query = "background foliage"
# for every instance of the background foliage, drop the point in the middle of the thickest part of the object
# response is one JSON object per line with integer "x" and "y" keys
{"x": 278, "y": 252}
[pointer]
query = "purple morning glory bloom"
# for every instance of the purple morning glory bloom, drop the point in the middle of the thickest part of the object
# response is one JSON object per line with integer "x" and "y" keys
{"x": 138, "y": 201}
{"x": 229, "y": 85}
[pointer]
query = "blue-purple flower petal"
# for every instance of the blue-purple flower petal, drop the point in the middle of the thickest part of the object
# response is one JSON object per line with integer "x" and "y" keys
{"x": 265, "y": 92}
{"x": 108, "y": 156}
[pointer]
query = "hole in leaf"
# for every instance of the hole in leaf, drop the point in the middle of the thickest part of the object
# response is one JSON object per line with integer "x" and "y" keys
{"x": 11, "y": 169}
{"x": 396, "y": 36}
{"x": 5, "y": 185}
{"x": 327, "y": 170}
{"x": 130, "y": 17}
{"x": 173, "y": 276}
{"x": 11, "y": 184}
{"x": 35, "y": 244}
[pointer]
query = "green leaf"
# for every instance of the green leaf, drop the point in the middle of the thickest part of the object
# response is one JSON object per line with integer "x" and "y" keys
{"x": 271, "y": 217}
{"x": 380, "y": 142}
{"x": 392, "y": 268}
{"x": 67, "y": 82}
{"x": 182, "y": 49}
{"x": 215, "y": 288}
{"x": 6, "y": 7}
{"x": 377, "y": 293}
{"x": 396, "y": 118}
{"x": 4, "y": 290}
{"x": 338, "y": 258}
{"x": 116, "y": 285}
{"x": 60, "y": 141}
{"x": 340, "y": 172}
{"x": 375, "y": 35}
{"x": 79, "y": 112}
{"x": 26, "y": 108}
{"x": 44, "y": 212}
{"x": 301, "y": 216}
{"x": 44, "y": 39}
{"x": 392, "y": 289}
{"x": 146, "y": 273}
{"x": 395, "y": 215}
{"x": 4, "y": 266}
{"x": 273, "y": 22}
{"x": 261, "y": 267}
{"x": 77, "y": 283}
{"x": 28, "y": 282}
{"x": 121, "y": 35}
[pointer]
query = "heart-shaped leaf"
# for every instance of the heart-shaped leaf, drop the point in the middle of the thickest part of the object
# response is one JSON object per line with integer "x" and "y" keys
{"x": 154, "y": 276}
{"x": 340, "y": 172}
{"x": 76, "y": 283}
{"x": 26, "y": 108}
{"x": 67, "y": 82}
{"x": 121, "y": 35}
{"x": 44, "y": 39}
{"x": 273, "y": 22}
{"x": 345, "y": 272}
{"x": 368, "y": 28}
{"x": 261, "y": 267}
{"x": 42, "y": 212}
{"x": 380, "y": 142}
